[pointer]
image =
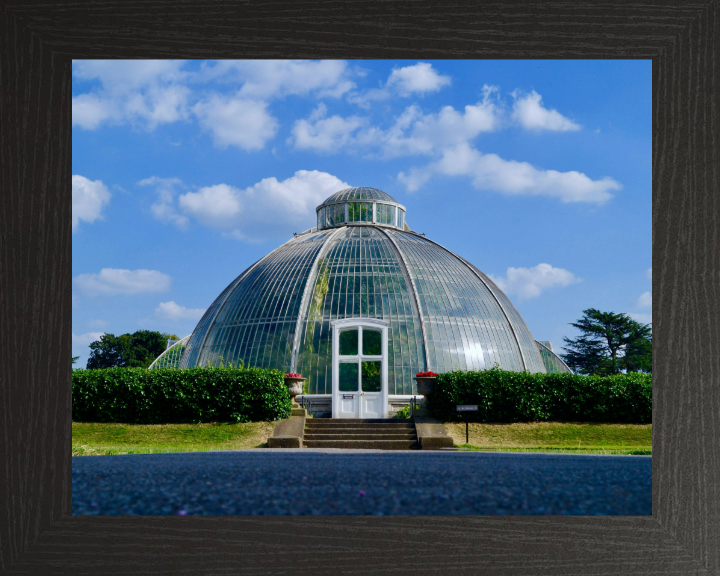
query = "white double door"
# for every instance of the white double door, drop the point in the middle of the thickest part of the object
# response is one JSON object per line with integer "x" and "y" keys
{"x": 360, "y": 368}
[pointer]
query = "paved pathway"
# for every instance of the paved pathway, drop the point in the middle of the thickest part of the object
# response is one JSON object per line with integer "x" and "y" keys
{"x": 330, "y": 482}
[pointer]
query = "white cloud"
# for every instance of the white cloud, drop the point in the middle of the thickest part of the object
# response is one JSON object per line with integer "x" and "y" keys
{"x": 529, "y": 112}
{"x": 412, "y": 133}
{"x": 417, "y": 79}
{"x": 88, "y": 200}
{"x": 490, "y": 172}
{"x": 143, "y": 92}
{"x": 81, "y": 341}
{"x": 265, "y": 79}
{"x": 531, "y": 282}
{"x": 89, "y": 111}
{"x": 237, "y": 122}
{"x": 640, "y": 317}
{"x": 645, "y": 300}
{"x": 266, "y": 209}
{"x": 147, "y": 93}
{"x": 152, "y": 92}
{"x": 120, "y": 76}
{"x": 164, "y": 208}
{"x": 415, "y": 133}
{"x": 325, "y": 134}
{"x": 158, "y": 105}
{"x": 114, "y": 281}
{"x": 420, "y": 78}
{"x": 215, "y": 206}
{"x": 174, "y": 311}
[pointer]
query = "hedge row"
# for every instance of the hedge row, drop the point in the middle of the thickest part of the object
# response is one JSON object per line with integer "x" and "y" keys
{"x": 167, "y": 395}
{"x": 504, "y": 396}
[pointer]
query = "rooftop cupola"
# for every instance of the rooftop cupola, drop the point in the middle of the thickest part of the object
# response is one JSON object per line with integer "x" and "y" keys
{"x": 360, "y": 206}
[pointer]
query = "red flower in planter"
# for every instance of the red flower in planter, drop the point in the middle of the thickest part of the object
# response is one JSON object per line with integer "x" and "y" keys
{"x": 426, "y": 374}
{"x": 292, "y": 375}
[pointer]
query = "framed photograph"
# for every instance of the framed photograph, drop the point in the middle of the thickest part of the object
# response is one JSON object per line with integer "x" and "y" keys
{"x": 195, "y": 146}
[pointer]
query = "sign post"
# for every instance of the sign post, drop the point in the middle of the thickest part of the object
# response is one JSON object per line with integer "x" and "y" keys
{"x": 466, "y": 408}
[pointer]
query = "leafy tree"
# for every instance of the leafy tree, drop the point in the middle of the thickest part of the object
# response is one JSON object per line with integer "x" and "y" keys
{"x": 137, "y": 350}
{"x": 638, "y": 354}
{"x": 75, "y": 359}
{"x": 609, "y": 343}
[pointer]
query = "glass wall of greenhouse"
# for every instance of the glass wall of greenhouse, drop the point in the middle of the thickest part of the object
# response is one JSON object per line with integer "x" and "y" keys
{"x": 466, "y": 328}
{"x": 255, "y": 317}
{"x": 361, "y": 275}
{"x": 171, "y": 357}
{"x": 444, "y": 313}
{"x": 553, "y": 363}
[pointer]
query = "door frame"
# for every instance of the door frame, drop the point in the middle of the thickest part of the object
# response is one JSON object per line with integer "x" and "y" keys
{"x": 337, "y": 326}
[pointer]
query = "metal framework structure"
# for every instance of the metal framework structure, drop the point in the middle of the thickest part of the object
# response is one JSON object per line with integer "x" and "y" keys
{"x": 171, "y": 357}
{"x": 363, "y": 261}
{"x": 553, "y": 363}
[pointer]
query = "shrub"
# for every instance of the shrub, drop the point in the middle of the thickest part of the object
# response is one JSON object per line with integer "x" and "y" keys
{"x": 168, "y": 395}
{"x": 404, "y": 412}
{"x": 504, "y": 396}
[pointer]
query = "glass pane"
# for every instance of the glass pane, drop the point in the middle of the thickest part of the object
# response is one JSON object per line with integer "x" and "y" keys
{"x": 348, "y": 381}
{"x": 334, "y": 214}
{"x": 349, "y": 342}
{"x": 372, "y": 342}
{"x": 385, "y": 214}
{"x": 359, "y": 212}
{"x": 351, "y": 212}
{"x": 371, "y": 373}
{"x": 366, "y": 214}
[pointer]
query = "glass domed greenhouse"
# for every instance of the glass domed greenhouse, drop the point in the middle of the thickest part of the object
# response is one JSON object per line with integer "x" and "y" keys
{"x": 358, "y": 294}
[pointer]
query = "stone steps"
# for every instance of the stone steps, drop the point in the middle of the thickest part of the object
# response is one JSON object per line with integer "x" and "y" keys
{"x": 361, "y": 436}
{"x": 363, "y": 444}
{"x": 373, "y": 427}
{"x": 362, "y": 433}
{"x": 349, "y": 421}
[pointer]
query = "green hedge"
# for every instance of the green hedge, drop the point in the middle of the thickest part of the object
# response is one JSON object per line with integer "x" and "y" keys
{"x": 168, "y": 395}
{"x": 504, "y": 396}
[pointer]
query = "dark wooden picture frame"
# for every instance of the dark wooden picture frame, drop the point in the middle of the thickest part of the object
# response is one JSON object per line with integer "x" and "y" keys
{"x": 38, "y": 534}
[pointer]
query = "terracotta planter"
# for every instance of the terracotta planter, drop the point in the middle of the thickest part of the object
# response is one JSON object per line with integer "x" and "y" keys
{"x": 294, "y": 386}
{"x": 425, "y": 384}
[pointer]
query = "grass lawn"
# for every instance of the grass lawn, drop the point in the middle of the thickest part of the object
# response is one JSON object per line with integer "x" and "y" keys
{"x": 93, "y": 439}
{"x": 568, "y": 437}
{"x": 102, "y": 439}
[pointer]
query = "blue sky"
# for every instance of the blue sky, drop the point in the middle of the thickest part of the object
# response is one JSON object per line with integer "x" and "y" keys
{"x": 187, "y": 172}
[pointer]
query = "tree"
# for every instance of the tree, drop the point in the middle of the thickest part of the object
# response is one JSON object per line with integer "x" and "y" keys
{"x": 638, "y": 355}
{"x": 609, "y": 343}
{"x": 137, "y": 350}
{"x": 75, "y": 359}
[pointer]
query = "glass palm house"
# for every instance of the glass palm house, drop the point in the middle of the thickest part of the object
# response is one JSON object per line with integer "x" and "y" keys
{"x": 362, "y": 302}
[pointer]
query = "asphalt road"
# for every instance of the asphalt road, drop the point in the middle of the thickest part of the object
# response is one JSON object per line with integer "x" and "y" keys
{"x": 332, "y": 482}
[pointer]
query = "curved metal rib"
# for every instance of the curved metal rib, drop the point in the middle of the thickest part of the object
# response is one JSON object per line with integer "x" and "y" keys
{"x": 502, "y": 308}
{"x": 309, "y": 286}
{"x": 413, "y": 289}
{"x": 229, "y": 291}
{"x": 555, "y": 355}
{"x": 167, "y": 352}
